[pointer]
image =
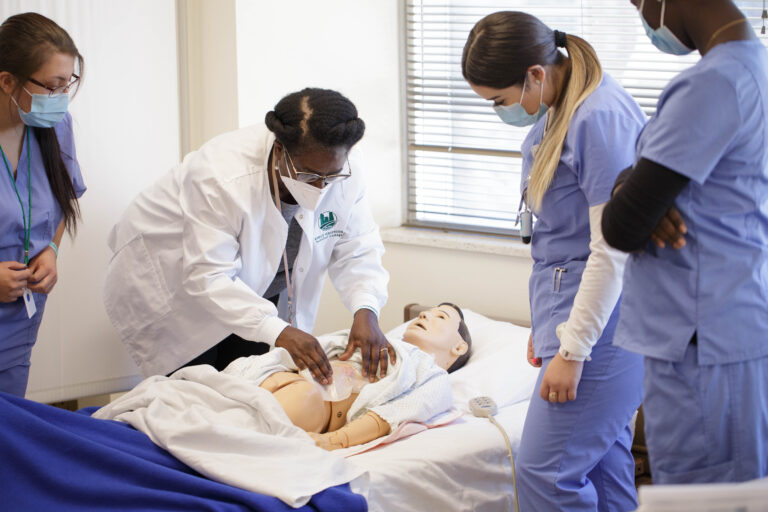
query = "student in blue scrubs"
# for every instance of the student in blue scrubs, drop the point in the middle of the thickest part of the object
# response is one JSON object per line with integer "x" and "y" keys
{"x": 694, "y": 211}
{"x": 575, "y": 449}
{"x": 40, "y": 179}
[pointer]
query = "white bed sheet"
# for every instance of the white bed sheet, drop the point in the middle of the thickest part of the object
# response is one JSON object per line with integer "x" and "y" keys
{"x": 460, "y": 467}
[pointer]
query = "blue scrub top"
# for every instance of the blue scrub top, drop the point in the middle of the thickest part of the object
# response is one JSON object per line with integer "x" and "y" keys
{"x": 711, "y": 126}
{"x": 599, "y": 145}
{"x": 46, "y": 213}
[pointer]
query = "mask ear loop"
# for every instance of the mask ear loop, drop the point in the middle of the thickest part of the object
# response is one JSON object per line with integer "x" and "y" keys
{"x": 15, "y": 102}
{"x": 291, "y": 166}
{"x": 288, "y": 281}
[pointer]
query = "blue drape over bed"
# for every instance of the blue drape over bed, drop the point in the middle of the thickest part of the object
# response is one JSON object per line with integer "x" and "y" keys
{"x": 52, "y": 459}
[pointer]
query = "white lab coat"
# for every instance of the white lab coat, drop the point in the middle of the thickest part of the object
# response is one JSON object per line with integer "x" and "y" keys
{"x": 194, "y": 253}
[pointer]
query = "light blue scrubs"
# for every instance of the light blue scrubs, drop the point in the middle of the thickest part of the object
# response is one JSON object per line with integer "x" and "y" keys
{"x": 18, "y": 333}
{"x": 576, "y": 456}
{"x": 711, "y": 126}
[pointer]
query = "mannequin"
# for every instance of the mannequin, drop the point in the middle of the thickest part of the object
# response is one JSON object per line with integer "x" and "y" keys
{"x": 439, "y": 332}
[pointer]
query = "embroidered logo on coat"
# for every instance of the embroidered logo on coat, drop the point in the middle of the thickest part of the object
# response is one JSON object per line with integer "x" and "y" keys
{"x": 327, "y": 220}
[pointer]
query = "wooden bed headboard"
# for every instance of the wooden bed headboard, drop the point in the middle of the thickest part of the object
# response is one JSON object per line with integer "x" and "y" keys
{"x": 412, "y": 310}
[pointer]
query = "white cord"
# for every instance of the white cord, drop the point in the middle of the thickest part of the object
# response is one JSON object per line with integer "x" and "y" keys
{"x": 511, "y": 457}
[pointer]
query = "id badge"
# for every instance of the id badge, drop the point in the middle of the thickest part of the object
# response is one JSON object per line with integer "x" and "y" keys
{"x": 29, "y": 302}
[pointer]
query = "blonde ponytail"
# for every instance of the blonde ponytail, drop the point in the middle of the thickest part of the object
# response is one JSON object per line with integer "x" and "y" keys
{"x": 585, "y": 76}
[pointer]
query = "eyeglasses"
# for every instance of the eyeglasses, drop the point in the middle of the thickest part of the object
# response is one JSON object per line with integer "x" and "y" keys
{"x": 313, "y": 177}
{"x": 63, "y": 89}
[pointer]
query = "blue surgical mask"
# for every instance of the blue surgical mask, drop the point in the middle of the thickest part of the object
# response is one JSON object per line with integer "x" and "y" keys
{"x": 45, "y": 111}
{"x": 663, "y": 38}
{"x": 516, "y": 115}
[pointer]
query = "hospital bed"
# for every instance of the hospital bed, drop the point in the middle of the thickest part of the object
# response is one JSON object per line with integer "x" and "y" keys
{"x": 69, "y": 461}
{"x": 462, "y": 466}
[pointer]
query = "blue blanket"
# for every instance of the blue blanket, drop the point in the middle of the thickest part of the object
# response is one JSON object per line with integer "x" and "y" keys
{"x": 52, "y": 459}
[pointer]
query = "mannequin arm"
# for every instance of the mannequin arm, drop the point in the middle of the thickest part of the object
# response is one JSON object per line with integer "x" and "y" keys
{"x": 363, "y": 429}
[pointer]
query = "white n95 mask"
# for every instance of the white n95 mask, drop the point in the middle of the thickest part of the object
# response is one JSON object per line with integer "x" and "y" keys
{"x": 306, "y": 195}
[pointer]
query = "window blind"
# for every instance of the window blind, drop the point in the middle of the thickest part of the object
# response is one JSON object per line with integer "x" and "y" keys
{"x": 464, "y": 164}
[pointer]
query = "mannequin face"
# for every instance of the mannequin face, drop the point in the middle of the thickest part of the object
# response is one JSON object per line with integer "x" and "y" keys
{"x": 436, "y": 332}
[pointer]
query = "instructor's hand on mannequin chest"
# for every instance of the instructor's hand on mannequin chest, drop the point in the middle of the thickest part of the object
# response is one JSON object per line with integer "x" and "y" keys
{"x": 306, "y": 353}
{"x": 367, "y": 336}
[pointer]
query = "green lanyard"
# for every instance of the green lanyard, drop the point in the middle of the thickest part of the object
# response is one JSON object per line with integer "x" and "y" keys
{"x": 27, "y": 220}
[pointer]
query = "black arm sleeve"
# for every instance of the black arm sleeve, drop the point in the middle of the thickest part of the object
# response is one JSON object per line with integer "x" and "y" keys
{"x": 646, "y": 193}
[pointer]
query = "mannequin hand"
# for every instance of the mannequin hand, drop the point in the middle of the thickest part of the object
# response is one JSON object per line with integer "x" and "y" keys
{"x": 13, "y": 280}
{"x": 328, "y": 441}
{"x": 44, "y": 273}
{"x": 670, "y": 230}
{"x": 532, "y": 359}
{"x": 561, "y": 377}
{"x": 367, "y": 335}
{"x": 306, "y": 353}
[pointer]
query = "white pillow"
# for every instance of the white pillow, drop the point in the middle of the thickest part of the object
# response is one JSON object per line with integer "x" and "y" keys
{"x": 497, "y": 366}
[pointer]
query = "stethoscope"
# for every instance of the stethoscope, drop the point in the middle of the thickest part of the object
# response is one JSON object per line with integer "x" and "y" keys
{"x": 525, "y": 215}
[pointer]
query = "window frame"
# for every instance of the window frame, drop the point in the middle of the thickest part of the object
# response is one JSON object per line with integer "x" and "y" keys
{"x": 410, "y": 147}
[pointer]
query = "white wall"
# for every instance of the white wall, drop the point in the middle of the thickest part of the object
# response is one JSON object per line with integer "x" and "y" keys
{"x": 492, "y": 284}
{"x": 346, "y": 45}
{"x": 126, "y": 130}
{"x": 207, "y": 70}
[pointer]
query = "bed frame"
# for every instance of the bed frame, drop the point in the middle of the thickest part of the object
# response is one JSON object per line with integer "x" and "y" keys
{"x": 412, "y": 310}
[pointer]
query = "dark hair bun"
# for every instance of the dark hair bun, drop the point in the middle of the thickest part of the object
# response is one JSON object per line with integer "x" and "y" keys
{"x": 286, "y": 134}
{"x": 315, "y": 117}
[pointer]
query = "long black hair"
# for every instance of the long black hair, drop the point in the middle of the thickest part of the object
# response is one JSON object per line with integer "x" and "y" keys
{"x": 315, "y": 118}
{"x": 26, "y": 42}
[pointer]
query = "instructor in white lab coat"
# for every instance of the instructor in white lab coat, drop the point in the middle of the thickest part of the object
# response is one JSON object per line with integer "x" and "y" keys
{"x": 225, "y": 255}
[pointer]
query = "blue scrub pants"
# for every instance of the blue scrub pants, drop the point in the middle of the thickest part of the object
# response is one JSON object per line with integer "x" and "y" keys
{"x": 706, "y": 423}
{"x": 17, "y": 337}
{"x": 576, "y": 455}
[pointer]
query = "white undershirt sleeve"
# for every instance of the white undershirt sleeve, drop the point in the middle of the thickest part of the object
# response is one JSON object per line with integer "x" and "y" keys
{"x": 598, "y": 293}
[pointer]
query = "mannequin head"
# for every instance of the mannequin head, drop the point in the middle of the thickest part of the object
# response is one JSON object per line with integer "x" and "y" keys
{"x": 442, "y": 333}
